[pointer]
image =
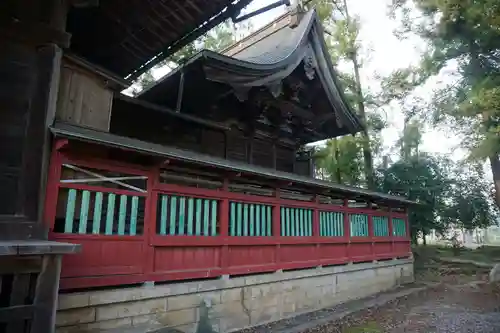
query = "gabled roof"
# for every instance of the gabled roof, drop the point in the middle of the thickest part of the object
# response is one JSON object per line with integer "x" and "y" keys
{"x": 128, "y": 37}
{"x": 266, "y": 61}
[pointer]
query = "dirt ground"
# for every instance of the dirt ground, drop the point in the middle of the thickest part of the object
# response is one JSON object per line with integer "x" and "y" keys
{"x": 460, "y": 300}
{"x": 474, "y": 307}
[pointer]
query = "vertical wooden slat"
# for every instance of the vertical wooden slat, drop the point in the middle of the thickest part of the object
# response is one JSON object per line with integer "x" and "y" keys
{"x": 269, "y": 219}
{"x": 239, "y": 219}
{"x": 233, "y": 219}
{"x": 334, "y": 224}
{"x": 110, "y": 214}
{"x": 257, "y": 220}
{"x": 297, "y": 222}
{"x": 173, "y": 215}
{"x": 198, "y": 217}
{"x": 283, "y": 220}
{"x": 134, "y": 210}
{"x": 70, "y": 211}
{"x": 308, "y": 222}
{"x": 245, "y": 219}
{"x": 302, "y": 222}
{"x": 206, "y": 218}
{"x": 214, "y": 217}
{"x": 163, "y": 214}
{"x": 323, "y": 224}
{"x": 190, "y": 216}
{"x": 96, "y": 223}
{"x": 289, "y": 221}
{"x": 342, "y": 225}
{"x": 182, "y": 214}
{"x": 251, "y": 219}
{"x": 122, "y": 215}
{"x": 84, "y": 213}
{"x": 265, "y": 221}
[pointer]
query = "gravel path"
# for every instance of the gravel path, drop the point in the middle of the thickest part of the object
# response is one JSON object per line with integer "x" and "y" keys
{"x": 474, "y": 307}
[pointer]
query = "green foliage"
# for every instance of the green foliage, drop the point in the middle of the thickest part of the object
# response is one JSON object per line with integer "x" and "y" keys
{"x": 341, "y": 160}
{"x": 449, "y": 194}
{"x": 421, "y": 179}
{"x": 462, "y": 35}
{"x": 217, "y": 39}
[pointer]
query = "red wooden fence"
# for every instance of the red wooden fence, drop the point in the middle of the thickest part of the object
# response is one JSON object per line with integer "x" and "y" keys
{"x": 118, "y": 258}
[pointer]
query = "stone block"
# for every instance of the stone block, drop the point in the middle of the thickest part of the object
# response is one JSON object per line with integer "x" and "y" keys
{"x": 234, "y": 308}
{"x": 229, "y": 295}
{"x": 97, "y": 326}
{"x": 264, "y": 315}
{"x": 178, "y": 317}
{"x": 233, "y": 323}
{"x": 130, "y": 309}
{"x": 75, "y": 316}
{"x": 71, "y": 301}
{"x": 120, "y": 295}
{"x": 193, "y": 300}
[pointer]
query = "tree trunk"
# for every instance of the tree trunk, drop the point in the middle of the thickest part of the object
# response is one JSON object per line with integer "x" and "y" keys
{"x": 367, "y": 153}
{"x": 338, "y": 175}
{"x": 495, "y": 170}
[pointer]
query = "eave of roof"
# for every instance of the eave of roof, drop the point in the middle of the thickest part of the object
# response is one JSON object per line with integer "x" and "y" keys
{"x": 270, "y": 56}
{"x": 130, "y": 39}
{"x": 116, "y": 141}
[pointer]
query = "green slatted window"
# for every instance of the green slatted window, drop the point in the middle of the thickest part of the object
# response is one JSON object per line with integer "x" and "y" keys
{"x": 186, "y": 216}
{"x": 398, "y": 227}
{"x": 93, "y": 212}
{"x": 296, "y": 221}
{"x": 359, "y": 225}
{"x": 380, "y": 226}
{"x": 331, "y": 224}
{"x": 247, "y": 219}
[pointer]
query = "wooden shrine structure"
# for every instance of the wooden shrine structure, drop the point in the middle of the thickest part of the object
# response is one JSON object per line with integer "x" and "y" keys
{"x": 202, "y": 175}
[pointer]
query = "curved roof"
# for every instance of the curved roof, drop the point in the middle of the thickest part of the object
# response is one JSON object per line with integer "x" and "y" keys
{"x": 269, "y": 60}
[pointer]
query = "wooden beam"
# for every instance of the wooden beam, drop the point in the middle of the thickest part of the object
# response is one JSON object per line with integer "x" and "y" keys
{"x": 16, "y": 313}
{"x": 151, "y": 106}
{"x": 36, "y": 33}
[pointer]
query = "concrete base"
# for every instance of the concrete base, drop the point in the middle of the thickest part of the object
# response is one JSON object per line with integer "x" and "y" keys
{"x": 232, "y": 303}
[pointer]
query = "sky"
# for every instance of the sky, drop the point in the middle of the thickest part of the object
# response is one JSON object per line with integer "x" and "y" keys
{"x": 382, "y": 53}
{"x": 385, "y": 53}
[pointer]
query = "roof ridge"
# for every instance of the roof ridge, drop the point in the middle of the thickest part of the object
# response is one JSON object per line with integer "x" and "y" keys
{"x": 271, "y": 28}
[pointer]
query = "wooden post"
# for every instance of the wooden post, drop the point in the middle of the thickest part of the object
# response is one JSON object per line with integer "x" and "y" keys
{"x": 47, "y": 287}
{"x": 371, "y": 233}
{"x": 277, "y": 223}
{"x": 391, "y": 230}
{"x": 347, "y": 228}
{"x": 224, "y": 228}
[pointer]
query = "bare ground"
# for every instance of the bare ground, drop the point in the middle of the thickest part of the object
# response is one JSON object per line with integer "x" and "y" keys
{"x": 474, "y": 307}
{"x": 460, "y": 301}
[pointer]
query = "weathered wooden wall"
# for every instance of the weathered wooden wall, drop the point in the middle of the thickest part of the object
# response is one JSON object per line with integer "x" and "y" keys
{"x": 233, "y": 144}
{"x": 28, "y": 79}
{"x": 83, "y": 98}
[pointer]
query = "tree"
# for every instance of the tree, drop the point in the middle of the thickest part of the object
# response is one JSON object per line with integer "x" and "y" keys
{"x": 463, "y": 35}
{"x": 423, "y": 180}
{"x": 217, "y": 39}
{"x": 343, "y": 43}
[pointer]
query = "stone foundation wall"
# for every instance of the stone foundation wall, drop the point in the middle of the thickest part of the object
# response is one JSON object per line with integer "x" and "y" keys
{"x": 231, "y": 303}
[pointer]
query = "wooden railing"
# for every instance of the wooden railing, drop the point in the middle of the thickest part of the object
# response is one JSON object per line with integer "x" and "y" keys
{"x": 157, "y": 231}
